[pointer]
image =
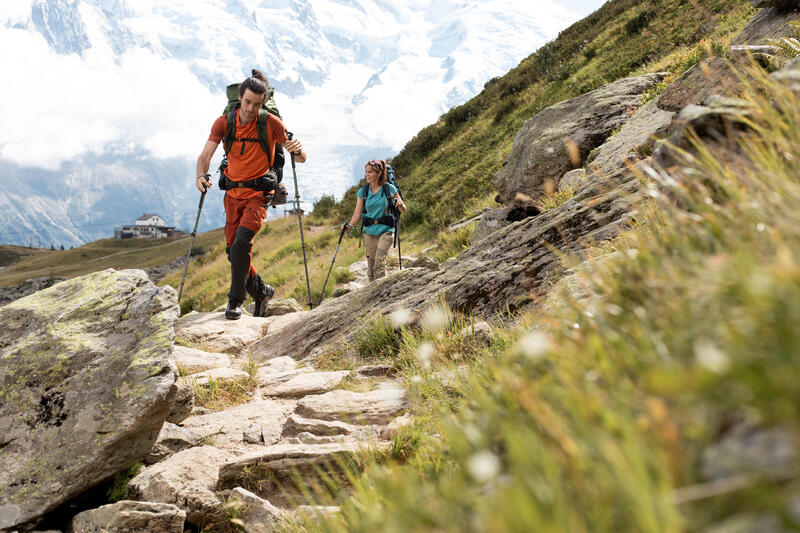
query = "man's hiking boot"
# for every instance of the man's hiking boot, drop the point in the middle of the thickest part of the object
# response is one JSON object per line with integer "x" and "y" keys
{"x": 234, "y": 310}
{"x": 260, "y": 307}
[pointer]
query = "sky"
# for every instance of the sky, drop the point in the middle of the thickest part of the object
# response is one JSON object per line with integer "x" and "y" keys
{"x": 70, "y": 105}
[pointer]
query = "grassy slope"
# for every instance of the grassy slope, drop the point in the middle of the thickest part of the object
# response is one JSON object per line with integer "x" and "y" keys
{"x": 593, "y": 414}
{"x": 102, "y": 254}
{"x": 447, "y": 168}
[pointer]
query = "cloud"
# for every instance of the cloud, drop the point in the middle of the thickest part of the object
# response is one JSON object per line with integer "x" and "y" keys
{"x": 60, "y": 107}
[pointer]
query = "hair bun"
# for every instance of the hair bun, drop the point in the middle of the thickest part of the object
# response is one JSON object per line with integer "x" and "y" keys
{"x": 259, "y": 76}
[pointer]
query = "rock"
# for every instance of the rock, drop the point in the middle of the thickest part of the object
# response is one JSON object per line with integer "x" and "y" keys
{"x": 183, "y": 403}
{"x": 375, "y": 371}
{"x": 192, "y": 360}
{"x": 633, "y": 142}
{"x": 187, "y": 479}
{"x": 127, "y": 515}
{"x": 374, "y": 407}
{"x": 784, "y": 4}
{"x": 29, "y": 286}
{"x": 281, "y": 307}
{"x": 216, "y": 374}
{"x": 86, "y": 383}
{"x": 767, "y": 24}
{"x": 316, "y": 511}
{"x": 213, "y": 333}
{"x": 708, "y": 77}
{"x": 394, "y": 427}
{"x": 748, "y": 450}
{"x": 495, "y": 219}
{"x": 421, "y": 262}
{"x": 228, "y": 427}
{"x": 742, "y": 54}
{"x": 481, "y": 332}
{"x": 464, "y": 222}
{"x": 271, "y": 472}
{"x": 572, "y": 180}
{"x": 272, "y": 379}
{"x": 712, "y": 122}
{"x": 171, "y": 440}
{"x": 257, "y": 514}
{"x": 309, "y": 438}
{"x": 296, "y": 425}
{"x": 540, "y": 155}
{"x": 789, "y": 75}
{"x": 306, "y": 384}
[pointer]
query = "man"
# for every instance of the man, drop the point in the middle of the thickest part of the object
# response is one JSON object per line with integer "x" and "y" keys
{"x": 245, "y": 206}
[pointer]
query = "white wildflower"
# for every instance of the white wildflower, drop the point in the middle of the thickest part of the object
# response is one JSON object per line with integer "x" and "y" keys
{"x": 483, "y": 466}
{"x": 401, "y": 318}
{"x": 710, "y": 357}
{"x": 434, "y": 319}
{"x": 425, "y": 354}
{"x": 760, "y": 227}
{"x": 534, "y": 345}
{"x": 592, "y": 376}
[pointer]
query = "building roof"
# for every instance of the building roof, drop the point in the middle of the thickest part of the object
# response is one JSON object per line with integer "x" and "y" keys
{"x": 146, "y": 216}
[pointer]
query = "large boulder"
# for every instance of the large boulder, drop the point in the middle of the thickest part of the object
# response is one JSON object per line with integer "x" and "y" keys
{"x": 561, "y": 136}
{"x": 86, "y": 382}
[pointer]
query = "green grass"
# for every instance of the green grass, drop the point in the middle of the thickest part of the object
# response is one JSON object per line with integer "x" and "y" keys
{"x": 102, "y": 254}
{"x": 592, "y": 411}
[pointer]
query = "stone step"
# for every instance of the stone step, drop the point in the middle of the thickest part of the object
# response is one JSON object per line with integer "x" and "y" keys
{"x": 271, "y": 472}
{"x": 213, "y": 333}
{"x": 374, "y": 407}
{"x": 227, "y": 429}
{"x": 296, "y": 424}
{"x": 192, "y": 360}
{"x": 306, "y": 384}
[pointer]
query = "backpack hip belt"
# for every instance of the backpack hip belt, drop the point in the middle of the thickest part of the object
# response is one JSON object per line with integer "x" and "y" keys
{"x": 263, "y": 183}
{"x": 386, "y": 220}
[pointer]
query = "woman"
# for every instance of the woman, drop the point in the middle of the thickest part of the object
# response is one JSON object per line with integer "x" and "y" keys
{"x": 372, "y": 207}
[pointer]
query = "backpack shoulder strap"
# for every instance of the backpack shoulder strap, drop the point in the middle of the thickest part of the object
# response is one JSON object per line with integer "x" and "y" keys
{"x": 261, "y": 126}
{"x": 230, "y": 133}
{"x": 365, "y": 192}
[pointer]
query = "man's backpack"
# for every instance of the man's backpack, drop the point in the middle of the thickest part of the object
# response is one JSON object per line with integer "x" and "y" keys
{"x": 275, "y": 174}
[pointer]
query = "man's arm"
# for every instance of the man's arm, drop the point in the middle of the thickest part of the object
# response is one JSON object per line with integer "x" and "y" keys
{"x": 203, "y": 162}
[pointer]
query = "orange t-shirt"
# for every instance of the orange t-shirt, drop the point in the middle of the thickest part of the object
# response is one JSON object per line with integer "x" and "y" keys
{"x": 251, "y": 161}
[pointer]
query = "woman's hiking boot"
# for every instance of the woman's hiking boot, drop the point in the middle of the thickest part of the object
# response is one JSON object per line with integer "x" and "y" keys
{"x": 234, "y": 310}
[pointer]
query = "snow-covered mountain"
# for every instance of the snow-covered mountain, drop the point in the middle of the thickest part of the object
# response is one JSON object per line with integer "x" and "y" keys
{"x": 106, "y": 103}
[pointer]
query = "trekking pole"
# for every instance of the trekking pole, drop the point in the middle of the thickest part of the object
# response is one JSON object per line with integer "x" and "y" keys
{"x": 322, "y": 294}
{"x": 397, "y": 235}
{"x": 194, "y": 234}
{"x": 300, "y": 219}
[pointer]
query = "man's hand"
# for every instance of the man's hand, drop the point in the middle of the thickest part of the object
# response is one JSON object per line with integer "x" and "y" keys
{"x": 293, "y": 146}
{"x": 203, "y": 182}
